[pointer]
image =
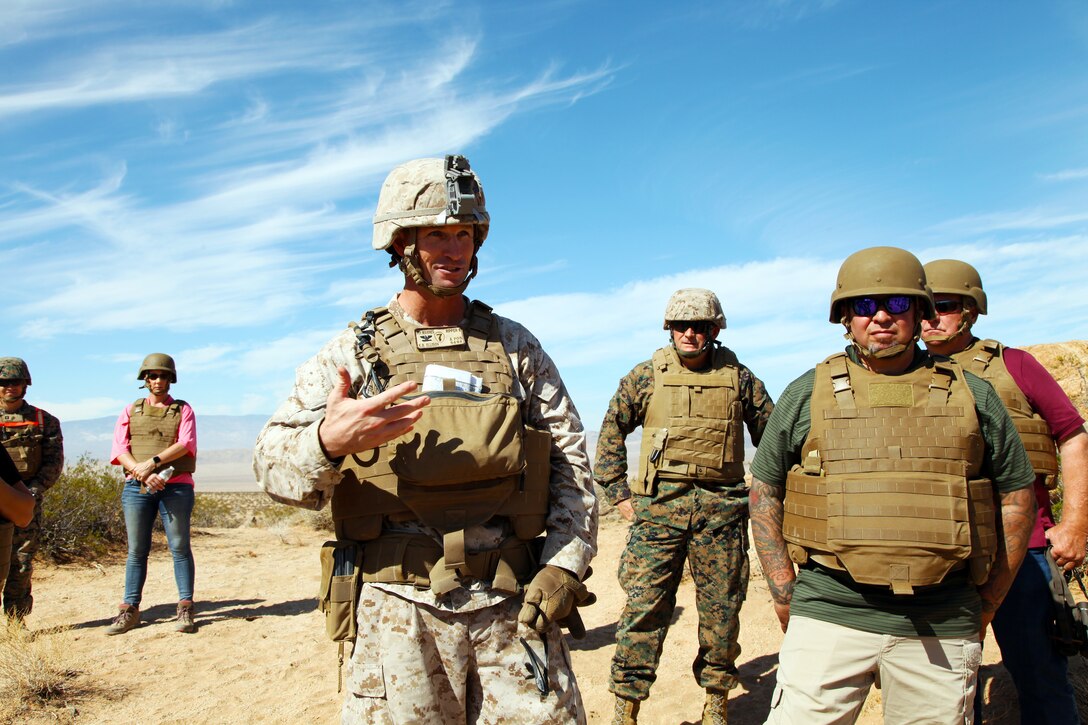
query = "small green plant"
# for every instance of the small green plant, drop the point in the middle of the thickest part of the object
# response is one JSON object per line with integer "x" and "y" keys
{"x": 82, "y": 514}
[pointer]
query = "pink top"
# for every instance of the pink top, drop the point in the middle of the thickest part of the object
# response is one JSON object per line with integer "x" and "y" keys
{"x": 1051, "y": 402}
{"x": 186, "y": 435}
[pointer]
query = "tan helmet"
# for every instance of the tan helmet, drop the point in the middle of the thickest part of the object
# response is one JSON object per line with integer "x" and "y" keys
{"x": 881, "y": 271}
{"x": 953, "y": 277}
{"x": 158, "y": 361}
{"x": 693, "y": 304}
{"x": 14, "y": 368}
{"x": 430, "y": 193}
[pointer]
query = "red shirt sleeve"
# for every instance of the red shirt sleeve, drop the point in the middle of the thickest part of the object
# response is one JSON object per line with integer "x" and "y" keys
{"x": 1044, "y": 393}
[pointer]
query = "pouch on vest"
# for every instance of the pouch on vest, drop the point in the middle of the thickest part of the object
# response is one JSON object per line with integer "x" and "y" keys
{"x": 467, "y": 441}
{"x": 341, "y": 565}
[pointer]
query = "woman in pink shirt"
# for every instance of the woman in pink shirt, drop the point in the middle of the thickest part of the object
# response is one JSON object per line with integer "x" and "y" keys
{"x": 155, "y": 441}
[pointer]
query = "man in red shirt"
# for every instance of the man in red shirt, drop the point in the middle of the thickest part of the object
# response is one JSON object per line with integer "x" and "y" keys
{"x": 1049, "y": 425}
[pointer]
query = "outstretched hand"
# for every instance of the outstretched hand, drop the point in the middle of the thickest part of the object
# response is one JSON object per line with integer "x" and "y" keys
{"x": 352, "y": 425}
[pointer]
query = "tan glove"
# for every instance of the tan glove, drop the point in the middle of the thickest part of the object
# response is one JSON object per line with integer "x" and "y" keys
{"x": 554, "y": 595}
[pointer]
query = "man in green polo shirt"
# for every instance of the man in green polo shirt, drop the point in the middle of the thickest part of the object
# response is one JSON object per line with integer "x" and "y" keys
{"x": 873, "y": 512}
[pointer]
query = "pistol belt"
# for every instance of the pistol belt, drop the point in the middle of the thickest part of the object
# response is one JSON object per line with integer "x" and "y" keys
{"x": 418, "y": 560}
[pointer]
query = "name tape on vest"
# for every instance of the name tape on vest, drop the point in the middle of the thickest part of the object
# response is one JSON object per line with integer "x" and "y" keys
{"x": 432, "y": 338}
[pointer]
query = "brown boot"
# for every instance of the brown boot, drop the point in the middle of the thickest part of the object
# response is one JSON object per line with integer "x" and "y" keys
{"x": 185, "y": 617}
{"x": 128, "y": 616}
{"x": 715, "y": 709}
{"x": 626, "y": 712}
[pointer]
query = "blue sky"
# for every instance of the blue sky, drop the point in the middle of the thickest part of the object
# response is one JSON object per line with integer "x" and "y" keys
{"x": 198, "y": 178}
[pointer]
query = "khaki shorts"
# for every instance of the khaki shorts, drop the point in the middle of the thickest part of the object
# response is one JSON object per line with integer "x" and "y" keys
{"x": 825, "y": 671}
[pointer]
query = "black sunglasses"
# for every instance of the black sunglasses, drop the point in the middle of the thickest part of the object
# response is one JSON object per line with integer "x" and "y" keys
{"x": 157, "y": 376}
{"x": 701, "y": 327}
{"x": 892, "y": 304}
{"x": 945, "y": 307}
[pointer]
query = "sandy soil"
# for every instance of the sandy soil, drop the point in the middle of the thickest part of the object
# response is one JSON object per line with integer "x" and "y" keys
{"x": 261, "y": 655}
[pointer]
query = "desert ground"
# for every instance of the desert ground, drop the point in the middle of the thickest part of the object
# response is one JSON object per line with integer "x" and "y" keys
{"x": 260, "y": 654}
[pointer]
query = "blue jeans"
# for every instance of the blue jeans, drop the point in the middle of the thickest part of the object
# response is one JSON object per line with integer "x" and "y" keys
{"x": 175, "y": 505}
{"x": 1020, "y": 627}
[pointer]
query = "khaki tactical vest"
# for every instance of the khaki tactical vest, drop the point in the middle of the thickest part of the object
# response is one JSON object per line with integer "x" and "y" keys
{"x": 152, "y": 430}
{"x": 889, "y": 487}
{"x": 22, "y": 433}
{"x": 985, "y": 359}
{"x": 469, "y": 458}
{"x": 692, "y": 429}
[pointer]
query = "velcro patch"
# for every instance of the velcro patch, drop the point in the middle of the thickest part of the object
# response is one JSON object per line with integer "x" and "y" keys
{"x": 891, "y": 395}
{"x": 431, "y": 338}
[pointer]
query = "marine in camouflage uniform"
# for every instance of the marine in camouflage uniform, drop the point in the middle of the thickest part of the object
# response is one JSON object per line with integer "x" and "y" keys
{"x": 682, "y": 511}
{"x": 421, "y": 655}
{"x": 34, "y": 441}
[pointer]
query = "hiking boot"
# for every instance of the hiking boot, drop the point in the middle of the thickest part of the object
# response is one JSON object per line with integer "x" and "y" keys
{"x": 626, "y": 712}
{"x": 185, "y": 617}
{"x": 715, "y": 708}
{"x": 128, "y": 616}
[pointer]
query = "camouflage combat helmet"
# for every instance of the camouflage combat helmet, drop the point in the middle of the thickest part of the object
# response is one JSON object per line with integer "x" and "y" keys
{"x": 158, "y": 361}
{"x": 953, "y": 277}
{"x": 694, "y": 305}
{"x": 881, "y": 271}
{"x": 14, "y": 368}
{"x": 429, "y": 193}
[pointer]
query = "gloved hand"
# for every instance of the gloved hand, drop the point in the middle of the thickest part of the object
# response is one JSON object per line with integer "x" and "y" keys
{"x": 554, "y": 595}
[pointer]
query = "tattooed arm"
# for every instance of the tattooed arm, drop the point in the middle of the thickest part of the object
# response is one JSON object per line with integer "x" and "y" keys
{"x": 1017, "y": 520}
{"x": 765, "y": 507}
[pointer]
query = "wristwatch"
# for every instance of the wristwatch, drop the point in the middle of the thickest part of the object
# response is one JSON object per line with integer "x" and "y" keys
{"x": 157, "y": 460}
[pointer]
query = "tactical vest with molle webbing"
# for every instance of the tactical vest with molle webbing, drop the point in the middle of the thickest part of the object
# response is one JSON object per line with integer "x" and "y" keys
{"x": 22, "y": 433}
{"x": 153, "y": 429}
{"x": 469, "y": 458}
{"x": 985, "y": 359}
{"x": 693, "y": 424}
{"x": 889, "y": 488}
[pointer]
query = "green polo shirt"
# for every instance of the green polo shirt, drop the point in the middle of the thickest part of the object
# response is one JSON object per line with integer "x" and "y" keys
{"x": 949, "y": 609}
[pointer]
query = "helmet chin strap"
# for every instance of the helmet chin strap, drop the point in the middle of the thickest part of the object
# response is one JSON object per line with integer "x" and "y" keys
{"x": 965, "y": 326}
{"x": 409, "y": 264}
{"x": 696, "y": 353}
{"x": 892, "y": 351}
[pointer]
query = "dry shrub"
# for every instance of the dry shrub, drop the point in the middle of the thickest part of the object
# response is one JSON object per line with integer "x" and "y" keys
{"x": 36, "y": 675}
{"x": 82, "y": 514}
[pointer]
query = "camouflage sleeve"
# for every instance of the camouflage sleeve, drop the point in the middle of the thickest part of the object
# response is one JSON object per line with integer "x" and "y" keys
{"x": 625, "y": 413}
{"x": 757, "y": 403}
{"x": 52, "y": 455}
{"x": 571, "y": 539}
{"x": 288, "y": 461}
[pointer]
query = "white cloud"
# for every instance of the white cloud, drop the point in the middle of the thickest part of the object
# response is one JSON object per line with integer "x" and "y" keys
{"x": 1066, "y": 175}
{"x": 84, "y": 408}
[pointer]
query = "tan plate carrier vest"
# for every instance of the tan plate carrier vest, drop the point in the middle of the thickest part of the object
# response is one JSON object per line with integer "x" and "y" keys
{"x": 152, "y": 430}
{"x": 692, "y": 429}
{"x": 470, "y": 458}
{"x": 22, "y": 436}
{"x": 986, "y": 360}
{"x": 889, "y": 488}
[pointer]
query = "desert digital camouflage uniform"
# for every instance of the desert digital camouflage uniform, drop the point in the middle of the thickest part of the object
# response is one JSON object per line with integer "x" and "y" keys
{"x": 28, "y": 427}
{"x": 705, "y": 524}
{"x": 420, "y": 656}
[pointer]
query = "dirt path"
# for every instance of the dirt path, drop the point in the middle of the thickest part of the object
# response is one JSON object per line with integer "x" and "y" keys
{"x": 261, "y": 656}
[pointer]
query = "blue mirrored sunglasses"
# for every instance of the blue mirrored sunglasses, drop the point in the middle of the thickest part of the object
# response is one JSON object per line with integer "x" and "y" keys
{"x": 892, "y": 304}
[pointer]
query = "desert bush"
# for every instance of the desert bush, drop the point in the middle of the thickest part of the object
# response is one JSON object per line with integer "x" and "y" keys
{"x": 82, "y": 514}
{"x": 36, "y": 673}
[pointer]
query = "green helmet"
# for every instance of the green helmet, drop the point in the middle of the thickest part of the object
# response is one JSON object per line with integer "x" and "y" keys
{"x": 158, "y": 361}
{"x": 953, "y": 277}
{"x": 14, "y": 368}
{"x": 881, "y": 271}
{"x": 694, "y": 305}
{"x": 429, "y": 193}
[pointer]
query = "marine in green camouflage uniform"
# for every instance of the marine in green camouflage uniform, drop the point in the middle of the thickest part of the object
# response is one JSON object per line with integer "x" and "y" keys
{"x": 33, "y": 439}
{"x": 689, "y": 499}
